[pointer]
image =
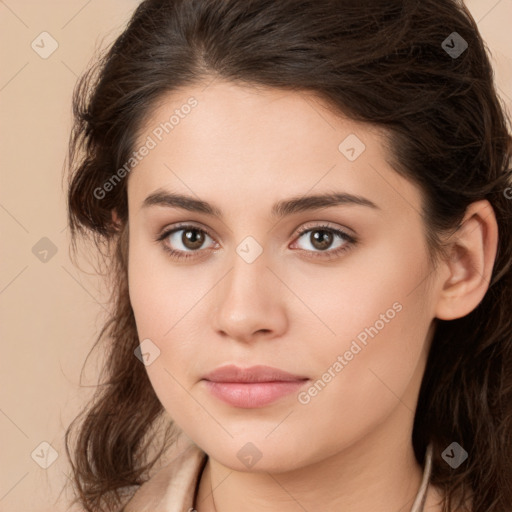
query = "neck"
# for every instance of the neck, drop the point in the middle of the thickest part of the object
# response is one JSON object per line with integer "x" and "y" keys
{"x": 378, "y": 472}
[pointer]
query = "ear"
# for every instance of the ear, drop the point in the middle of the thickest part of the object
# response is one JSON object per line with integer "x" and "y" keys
{"x": 116, "y": 221}
{"x": 471, "y": 255}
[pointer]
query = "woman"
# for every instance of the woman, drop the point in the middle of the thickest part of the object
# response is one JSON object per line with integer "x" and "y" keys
{"x": 305, "y": 207}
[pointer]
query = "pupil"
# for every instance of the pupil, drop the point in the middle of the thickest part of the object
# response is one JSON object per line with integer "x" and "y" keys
{"x": 322, "y": 242}
{"x": 193, "y": 239}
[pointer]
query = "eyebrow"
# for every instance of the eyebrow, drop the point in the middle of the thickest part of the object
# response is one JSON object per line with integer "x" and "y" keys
{"x": 280, "y": 209}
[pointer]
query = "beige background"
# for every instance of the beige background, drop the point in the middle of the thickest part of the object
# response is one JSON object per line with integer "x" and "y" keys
{"x": 50, "y": 311}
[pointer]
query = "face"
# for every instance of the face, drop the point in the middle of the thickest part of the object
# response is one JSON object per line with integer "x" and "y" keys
{"x": 337, "y": 294}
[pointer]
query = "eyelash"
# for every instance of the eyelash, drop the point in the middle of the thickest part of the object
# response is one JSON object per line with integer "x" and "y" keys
{"x": 326, "y": 255}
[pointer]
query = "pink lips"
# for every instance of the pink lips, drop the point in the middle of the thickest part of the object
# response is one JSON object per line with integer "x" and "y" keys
{"x": 251, "y": 387}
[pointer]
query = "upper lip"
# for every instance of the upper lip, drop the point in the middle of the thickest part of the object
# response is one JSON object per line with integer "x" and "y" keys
{"x": 259, "y": 373}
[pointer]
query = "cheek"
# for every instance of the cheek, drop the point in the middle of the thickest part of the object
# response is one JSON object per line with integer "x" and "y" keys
{"x": 379, "y": 288}
{"x": 366, "y": 372}
{"x": 166, "y": 300}
{"x": 375, "y": 314}
{"x": 161, "y": 293}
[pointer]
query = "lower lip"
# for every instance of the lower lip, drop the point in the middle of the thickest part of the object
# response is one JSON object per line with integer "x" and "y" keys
{"x": 254, "y": 394}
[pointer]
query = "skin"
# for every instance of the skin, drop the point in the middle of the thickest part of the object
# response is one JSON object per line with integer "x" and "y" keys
{"x": 242, "y": 149}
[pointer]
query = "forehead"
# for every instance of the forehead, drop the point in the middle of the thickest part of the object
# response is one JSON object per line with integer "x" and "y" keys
{"x": 242, "y": 140}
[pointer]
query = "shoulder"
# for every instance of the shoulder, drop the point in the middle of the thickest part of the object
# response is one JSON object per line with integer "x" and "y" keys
{"x": 173, "y": 487}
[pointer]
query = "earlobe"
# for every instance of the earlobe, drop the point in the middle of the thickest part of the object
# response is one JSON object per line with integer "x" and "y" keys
{"x": 472, "y": 252}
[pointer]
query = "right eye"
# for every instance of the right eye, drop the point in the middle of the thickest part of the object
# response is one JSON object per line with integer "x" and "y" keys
{"x": 186, "y": 237}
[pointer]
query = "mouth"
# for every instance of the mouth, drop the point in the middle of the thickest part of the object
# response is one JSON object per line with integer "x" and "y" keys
{"x": 252, "y": 387}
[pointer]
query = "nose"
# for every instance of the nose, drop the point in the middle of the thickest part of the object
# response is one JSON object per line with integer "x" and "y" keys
{"x": 250, "y": 302}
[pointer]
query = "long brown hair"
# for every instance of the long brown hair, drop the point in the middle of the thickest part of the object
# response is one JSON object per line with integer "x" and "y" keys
{"x": 401, "y": 65}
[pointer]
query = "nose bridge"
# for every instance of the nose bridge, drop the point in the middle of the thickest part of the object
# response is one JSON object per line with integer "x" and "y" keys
{"x": 244, "y": 304}
{"x": 247, "y": 279}
{"x": 249, "y": 261}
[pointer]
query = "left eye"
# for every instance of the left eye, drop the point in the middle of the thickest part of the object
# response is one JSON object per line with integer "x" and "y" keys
{"x": 321, "y": 238}
{"x": 191, "y": 239}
